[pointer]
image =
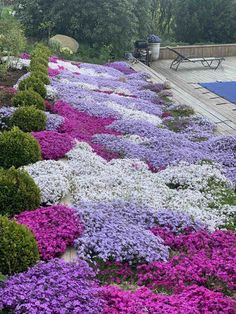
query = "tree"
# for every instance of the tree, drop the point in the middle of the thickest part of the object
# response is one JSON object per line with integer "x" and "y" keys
{"x": 99, "y": 22}
{"x": 205, "y": 21}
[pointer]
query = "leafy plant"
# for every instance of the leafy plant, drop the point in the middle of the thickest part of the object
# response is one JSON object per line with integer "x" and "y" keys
{"x": 37, "y": 66}
{"x": 12, "y": 36}
{"x": 3, "y": 70}
{"x": 29, "y": 119}
{"x": 18, "y": 192}
{"x": 28, "y": 98}
{"x": 18, "y": 149}
{"x": 35, "y": 84}
{"x": 39, "y": 61}
{"x": 18, "y": 247}
{"x": 42, "y": 76}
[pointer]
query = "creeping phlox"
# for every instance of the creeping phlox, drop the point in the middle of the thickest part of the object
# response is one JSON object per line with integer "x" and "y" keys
{"x": 148, "y": 186}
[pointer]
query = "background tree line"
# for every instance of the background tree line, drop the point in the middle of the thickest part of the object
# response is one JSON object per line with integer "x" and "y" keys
{"x": 120, "y": 22}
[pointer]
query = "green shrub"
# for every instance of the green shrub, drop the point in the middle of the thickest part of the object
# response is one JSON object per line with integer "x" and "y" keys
{"x": 18, "y": 149}
{"x": 36, "y": 66}
{"x": 39, "y": 60}
{"x": 41, "y": 50}
{"x": 35, "y": 84}
{"x": 29, "y": 119}
{"x": 28, "y": 98}
{"x": 42, "y": 76}
{"x": 18, "y": 247}
{"x": 18, "y": 192}
{"x": 3, "y": 71}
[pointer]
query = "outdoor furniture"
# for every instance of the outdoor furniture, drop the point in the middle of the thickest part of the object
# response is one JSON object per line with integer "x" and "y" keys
{"x": 211, "y": 62}
{"x": 142, "y": 52}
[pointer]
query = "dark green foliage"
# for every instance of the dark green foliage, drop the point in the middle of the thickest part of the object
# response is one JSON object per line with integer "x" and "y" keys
{"x": 12, "y": 40}
{"x": 199, "y": 21}
{"x": 18, "y": 149}
{"x": 29, "y": 119}
{"x": 28, "y": 98}
{"x": 94, "y": 22}
{"x": 18, "y": 247}
{"x": 18, "y": 192}
{"x": 35, "y": 84}
{"x": 42, "y": 76}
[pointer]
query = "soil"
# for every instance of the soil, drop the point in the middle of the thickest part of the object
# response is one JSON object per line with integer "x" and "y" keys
{"x": 7, "y": 83}
{"x": 12, "y": 77}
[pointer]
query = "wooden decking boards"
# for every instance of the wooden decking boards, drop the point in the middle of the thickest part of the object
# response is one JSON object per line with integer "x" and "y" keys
{"x": 187, "y": 91}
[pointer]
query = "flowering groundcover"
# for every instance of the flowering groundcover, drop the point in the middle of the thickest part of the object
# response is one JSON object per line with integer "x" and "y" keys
{"x": 150, "y": 186}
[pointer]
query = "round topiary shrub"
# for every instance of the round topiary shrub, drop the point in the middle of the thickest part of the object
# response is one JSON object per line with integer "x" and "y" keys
{"x": 28, "y": 98}
{"x": 18, "y": 247}
{"x": 39, "y": 60}
{"x": 18, "y": 149}
{"x": 35, "y": 84}
{"x": 39, "y": 68}
{"x": 18, "y": 192}
{"x": 29, "y": 119}
{"x": 42, "y": 76}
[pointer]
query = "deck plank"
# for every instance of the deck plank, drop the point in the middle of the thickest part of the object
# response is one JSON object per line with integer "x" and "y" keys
{"x": 186, "y": 89}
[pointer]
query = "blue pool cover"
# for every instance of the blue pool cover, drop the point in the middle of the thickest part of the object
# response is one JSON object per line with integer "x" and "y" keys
{"x": 227, "y": 90}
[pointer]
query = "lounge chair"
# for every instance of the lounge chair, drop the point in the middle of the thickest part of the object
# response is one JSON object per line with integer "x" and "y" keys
{"x": 211, "y": 62}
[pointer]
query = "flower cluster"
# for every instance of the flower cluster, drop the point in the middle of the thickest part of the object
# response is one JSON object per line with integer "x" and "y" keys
{"x": 193, "y": 299}
{"x": 53, "y": 179}
{"x": 149, "y": 184}
{"x": 205, "y": 259}
{"x": 55, "y": 228}
{"x": 53, "y": 145}
{"x": 53, "y": 287}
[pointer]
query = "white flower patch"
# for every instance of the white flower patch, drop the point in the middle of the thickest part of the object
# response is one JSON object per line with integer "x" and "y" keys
{"x": 193, "y": 176}
{"x": 81, "y": 85}
{"x": 51, "y": 92}
{"x": 79, "y": 162}
{"x": 135, "y": 138}
{"x": 134, "y": 114}
{"x": 16, "y": 63}
{"x": 66, "y": 65}
{"x": 130, "y": 180}
{"x": 92, "y": 72}
{"x": 52, "y": 178}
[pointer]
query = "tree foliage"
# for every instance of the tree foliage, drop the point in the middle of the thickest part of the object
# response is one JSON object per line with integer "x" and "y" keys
{"x": 205, "y": 21}
{"x": 119, "y": 23}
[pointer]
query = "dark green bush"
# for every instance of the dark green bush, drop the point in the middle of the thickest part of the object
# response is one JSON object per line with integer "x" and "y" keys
{"x": 35, "y": 84}
{"x": 18, "y": 192}
{"x": 42, "y": 76}
{"x": 18, "y": 149}
{"x": 28, "y": 98}
{"x": 39, "y": 60}
{"x": 29, "y": 119}
{"x": 18, "y": 247}
{"x": 39, "y": 67}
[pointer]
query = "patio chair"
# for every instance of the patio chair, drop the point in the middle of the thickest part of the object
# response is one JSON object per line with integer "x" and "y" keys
{"x": 211, "y": 62}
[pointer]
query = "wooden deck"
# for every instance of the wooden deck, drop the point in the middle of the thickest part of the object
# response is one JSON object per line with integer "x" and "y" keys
{"x": 186, "y": 89}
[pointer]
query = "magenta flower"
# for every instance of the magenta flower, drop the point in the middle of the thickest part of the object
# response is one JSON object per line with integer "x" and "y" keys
{"x": 53, "y": 145}
{"x": 55, "y": 228}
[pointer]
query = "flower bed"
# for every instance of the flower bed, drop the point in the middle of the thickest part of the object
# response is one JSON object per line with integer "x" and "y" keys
{"x": 150, "y": 187}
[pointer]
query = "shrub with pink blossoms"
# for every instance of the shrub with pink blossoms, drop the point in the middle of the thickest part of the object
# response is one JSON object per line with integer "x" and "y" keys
{"x": 53, "y": 145}
{"x": 55, "y": 228}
